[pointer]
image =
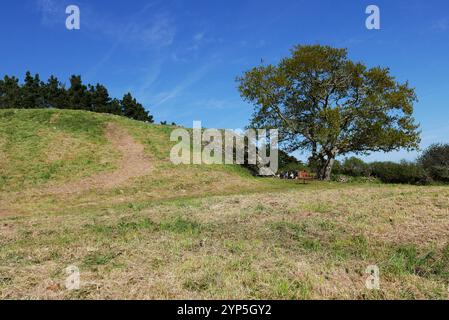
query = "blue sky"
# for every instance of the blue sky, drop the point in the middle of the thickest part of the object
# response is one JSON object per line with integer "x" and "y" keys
{"x": 180, "y": 58}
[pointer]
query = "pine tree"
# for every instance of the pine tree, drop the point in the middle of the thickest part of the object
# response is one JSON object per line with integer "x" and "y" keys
{"x": 10, "y": 93}
{"x": 99, "y": 98}
{"x": 134, "y": 110}
{"x": 36, "y": 94}
{"x": 78, "y": 95}
{"x": 2, "y": 93}
{"x": 31, "y": 95}
{"x": 54, "y": 94}
{"x": 115, "y": 107}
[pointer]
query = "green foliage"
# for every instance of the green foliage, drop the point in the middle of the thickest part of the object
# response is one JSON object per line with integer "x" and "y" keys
{"x": 31, "y": 92}
{"x": 35, "y": 94}
{"x": 356, "y": 170}
{"x": 404, "y": 172}
{"x": 337, "y": 168}
{"x": 10, "y": 93}
{"x": 78, "y": 96}
{"x": 53, "y": 94}
{"x": 325, "y": 103}
{"x": 99, "y": 98}
{"x": 355, "y": 167}
{"x": 435, "y": 160}
{"x": 134, "y": 110}
{"x": 289, "y": 163}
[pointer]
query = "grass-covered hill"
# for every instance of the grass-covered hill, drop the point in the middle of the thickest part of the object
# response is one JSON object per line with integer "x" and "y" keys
{"x": 52, "y": 159}
{"x": 98, "y": 192}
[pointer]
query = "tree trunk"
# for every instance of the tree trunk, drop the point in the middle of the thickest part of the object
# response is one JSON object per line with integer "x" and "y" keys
{"x": 324, "y": 168}
{"x": 327, "y": 170}
{"x": 323, "y": 162}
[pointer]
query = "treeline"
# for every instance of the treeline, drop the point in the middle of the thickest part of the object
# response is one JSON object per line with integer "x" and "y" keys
{"x": 431, "y": 166}
{"x": 35, "y": 94}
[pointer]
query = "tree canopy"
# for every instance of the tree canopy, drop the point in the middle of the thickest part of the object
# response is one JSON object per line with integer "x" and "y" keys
{"x": 323, "y": 102}
{"x": 435, "y": 160}
{"x": 36, "y": 94}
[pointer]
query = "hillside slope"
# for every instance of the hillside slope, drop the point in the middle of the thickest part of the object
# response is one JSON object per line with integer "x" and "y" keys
{"x": 53, "y": 160}
{"x": 98, "y": 192}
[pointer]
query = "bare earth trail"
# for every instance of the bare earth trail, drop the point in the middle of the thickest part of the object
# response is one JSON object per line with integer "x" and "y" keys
{"x": 134, "y": 163}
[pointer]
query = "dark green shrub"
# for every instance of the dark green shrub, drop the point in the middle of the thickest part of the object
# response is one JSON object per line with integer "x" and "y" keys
{"x": 355, "y": 167}
{"x": 337, "y": 168}
{"x": 289, "y": 163}
{"x": 435, "y": 161}
{"x": 403, "y": 172}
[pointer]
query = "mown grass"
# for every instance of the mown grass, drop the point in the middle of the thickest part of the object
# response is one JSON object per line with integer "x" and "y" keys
{"x": 258, "y": 246}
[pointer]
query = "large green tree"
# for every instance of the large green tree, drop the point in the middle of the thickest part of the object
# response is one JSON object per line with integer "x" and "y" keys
{"x": 323, "y": 102}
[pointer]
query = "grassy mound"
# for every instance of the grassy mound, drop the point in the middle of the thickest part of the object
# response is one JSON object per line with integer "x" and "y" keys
{"x": 41, "y": 150}
{"x": 182, "y": 232}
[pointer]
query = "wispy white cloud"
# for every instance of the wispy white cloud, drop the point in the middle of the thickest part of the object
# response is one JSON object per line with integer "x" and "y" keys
{"x": 177, "y": 58}
{"x": 190, "y": 80}
{"x": 51, "y": 11}
{"x": 216, "y": 104}
{"x": 261, "y": 43}
{"x": 142, "y": 30}
{"x": 440, "y": 25}
{"x": 151, "y": 76}
{"x": 196, "y": 42}
{"x": 157, "y": 33}
{"x": 191, "y": 49}
{"x": 198, "y": 37}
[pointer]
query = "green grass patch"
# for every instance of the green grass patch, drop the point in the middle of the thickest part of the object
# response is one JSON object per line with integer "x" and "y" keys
{"x": 181, "y": 225}
{"x": 42, "y": 146}
{"x": 99, "y": 259}
{"x": 409, "y": 259}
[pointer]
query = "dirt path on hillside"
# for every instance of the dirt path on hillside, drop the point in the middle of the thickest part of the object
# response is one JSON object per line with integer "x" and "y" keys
{"x": 134, "y": 163}
{"x": 4, "y": 213}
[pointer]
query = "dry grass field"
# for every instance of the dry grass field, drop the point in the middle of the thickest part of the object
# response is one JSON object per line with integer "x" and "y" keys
{"x": 198, "y": 232}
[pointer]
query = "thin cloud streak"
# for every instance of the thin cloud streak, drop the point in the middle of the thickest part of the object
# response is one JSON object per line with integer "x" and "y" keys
{"x": 164, "y": 97}
{"x": 158, "y": 34}
{"x": 51, "y": 11}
